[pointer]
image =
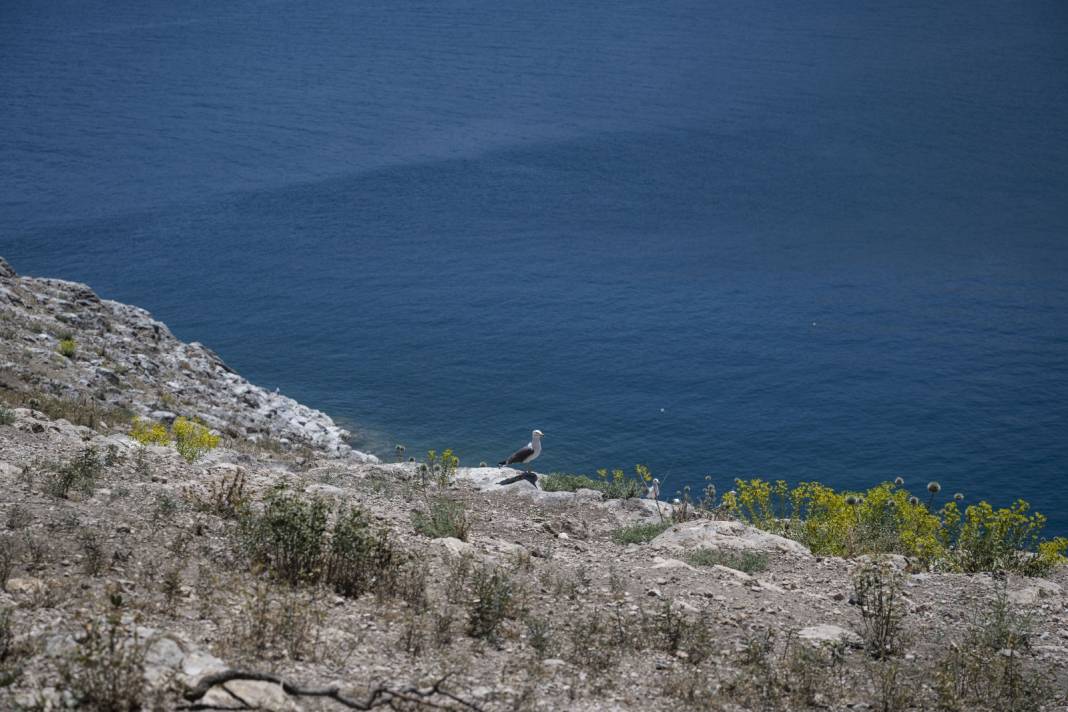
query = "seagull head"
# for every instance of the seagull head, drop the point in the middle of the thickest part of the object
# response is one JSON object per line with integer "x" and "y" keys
{"x": 537, "y": 434}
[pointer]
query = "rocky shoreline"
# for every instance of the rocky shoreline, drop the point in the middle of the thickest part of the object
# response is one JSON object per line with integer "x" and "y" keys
{"x": 123, "y": 359}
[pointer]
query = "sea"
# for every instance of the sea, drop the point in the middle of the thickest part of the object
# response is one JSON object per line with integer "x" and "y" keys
{"x": 747, "y": 238}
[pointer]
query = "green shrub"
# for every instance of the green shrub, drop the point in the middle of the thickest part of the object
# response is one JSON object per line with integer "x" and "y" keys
{"x": 887, "y": 520}
{"x": 442, "y": 469}
{"x": 192, "y": 439}
{"x": 444, "y": 518}
{"x": 877, "y": 591}
{"x": 639, "y": 533}
{"x": 78, "y": 474}
{"x": 289, "y": 538}
{"x": 362, "y": 558}
{"x": 748, "y": 561}
{"x": 614, "y": 485}
{"x": 148, "y": 433}
{"x": 106, "y": 670}
{"x": 67, "y": 347}
{"x": 493, "y": 592}
{"x": 560, "y": 482}
{"x": 7, "y": 416}
{"x": 985, "y": 539}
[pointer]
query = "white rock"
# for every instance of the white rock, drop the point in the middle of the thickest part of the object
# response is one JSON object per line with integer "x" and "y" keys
{"x": 453, "y": 546}
{"x": 827, "y": 633}
{"x": 661, "y": 563}
{"x": 726, "y": 535}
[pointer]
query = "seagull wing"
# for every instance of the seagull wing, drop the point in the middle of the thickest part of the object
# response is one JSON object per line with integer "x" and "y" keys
{"x": 519, "y": 455}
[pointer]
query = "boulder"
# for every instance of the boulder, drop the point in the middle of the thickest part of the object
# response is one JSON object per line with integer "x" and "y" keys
{"x": 1033, "y": 591}
{"x": 6, "y": 270}
{"x": 249, "y": 695}
{"x": 728, "y": 535}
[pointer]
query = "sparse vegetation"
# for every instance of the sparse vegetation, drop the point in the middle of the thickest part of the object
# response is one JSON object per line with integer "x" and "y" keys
{"x": 191, "y": 438}
{"x": 7, "y": 416}
{"x": 441, "y": 470}
{"x": 750, "y": 562}
{"x": 225, "y": 497}
{"x": 493, "y": 592}
{"x": 877, "y": 591}
{"x": 67, "y": 347}
{"x": 105, "y": 672}
{"x": 445, "y": 518}
{"x": 78, "y": 474}
{"x": 613, "y": 485}
{"x": 987, "y": 667}
{"x": 639, "y": 533}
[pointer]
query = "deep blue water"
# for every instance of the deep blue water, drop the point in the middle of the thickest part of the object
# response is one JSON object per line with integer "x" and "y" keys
{"x": 795, "y": 240}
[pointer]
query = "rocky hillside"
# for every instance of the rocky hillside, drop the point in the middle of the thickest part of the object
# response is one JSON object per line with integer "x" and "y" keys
{"x": 297, "y": 575}
{"x": 58, "y": 339}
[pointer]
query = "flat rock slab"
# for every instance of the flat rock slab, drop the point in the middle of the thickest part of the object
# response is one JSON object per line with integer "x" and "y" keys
{"x": 825, "y": 633}
{"x": 733, "y": 536}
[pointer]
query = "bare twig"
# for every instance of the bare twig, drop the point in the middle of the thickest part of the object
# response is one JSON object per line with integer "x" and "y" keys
{"x": 379, "y": 697}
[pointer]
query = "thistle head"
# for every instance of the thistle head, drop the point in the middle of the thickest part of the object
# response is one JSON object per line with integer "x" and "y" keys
{"x": 852, "y": 500}
{"x": 958, "y": 496}
{"x": 914, "y": 500}
{"x": 934, "y": 487}
{"x": 899, "y": 481}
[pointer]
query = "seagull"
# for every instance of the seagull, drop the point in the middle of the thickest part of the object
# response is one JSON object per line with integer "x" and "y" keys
{"x": 526, "y": 454}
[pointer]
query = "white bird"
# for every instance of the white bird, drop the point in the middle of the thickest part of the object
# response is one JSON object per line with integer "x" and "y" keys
{"x": 527, "y": 453}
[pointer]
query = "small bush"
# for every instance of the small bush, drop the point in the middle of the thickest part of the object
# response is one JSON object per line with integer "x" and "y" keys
{"x": 748, "y": 561}
{"x": 985, "y": 539}
{"x": 148, "y": 433}
{"x": 362, "y": 558}
{"x": 9, "y": 556}
{"x": 887, "y": 520}
{"x": 987, "y": 670}
{"x": 445, "y": 518}
{"x": 493, "y": 593}
{"x": 78, "y": 474}
{"x": 288, "y": 538}
{"x": 442, "y": 469}
{"x": 560, "y": 482}
{"x": 286, "y": 621}
{"x": 225, "y": 497}
{"x": 192, "y": 439}
{"x": 106, "y": 671}
{"x": 639, "y": 533}
{"x": 67, "y": 347}
{"x": 7, "y": 416}
{"x": 877, "y": 589}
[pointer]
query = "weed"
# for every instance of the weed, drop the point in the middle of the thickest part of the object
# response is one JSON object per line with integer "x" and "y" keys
{"x": 886, "y": 519}
{"x": 286, "y": 622}
{"x": 288, "y": 537}
{"x": 94, "y": 553}
{"x": 362, "y": 558}
{"x": 225, "y": 497}
{"x": 639, "y": 533}
{"x": 987, "y": 667}
{"x": 192, "y": 439}
{"x": 166, "y": 506}
{"x": 442, "y": 469}
{"x": 79, "y": 474}
{"x": 171, "y": 587}
{"x": 106, "y": 670}
{"x": 877, "y": 589}
{"x": 7, "y": 416}
{"x": 493, "y": 594}
{"x": 540, "y": 636}
{"x": 445, "y": 518}
{"x": 148, "y": 433}
{"x": 67, "y": 347}
{"x": 750, "y": 562}
{"x": 9, "y": 556}
{"x": 985, "y": 539}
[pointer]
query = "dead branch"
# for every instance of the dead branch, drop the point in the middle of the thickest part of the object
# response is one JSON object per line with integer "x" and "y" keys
{"x": 379, "y": 697}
